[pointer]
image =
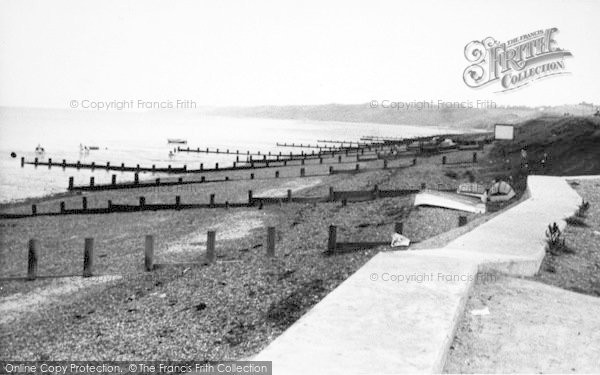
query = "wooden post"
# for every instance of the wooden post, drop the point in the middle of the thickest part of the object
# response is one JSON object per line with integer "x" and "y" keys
{"x": 344, "y": 202}
{"x": 210, "y": 246}
{"x": 385, "y": 164}
{"x": 70, "y": 183}
{"x": 289, "y": 195}
{"x": 357, "y": 167}
{"x": 399, "y": 227}
{"x": 88, "y": 257}
{"x": 84, "y": 203}
{"x": 142, "y": 202}
{"x": 474, "y": 157}
{"x": 375, "y": 191}
{"x": 339, "y": 158}
{"x": 113, "y": 179}
{"x": 462, "y": 221}
{"x": 331, "y": 194}
{"x": 331, "y": 243}
{"x": 22, "y": 161}
{"x": 423, "y": 186}
{"x": 202, "y": 179}
{"x": 414, "y": 161}
{"x": 250, "y": 199}
{"x": 49, "y": 163}
{"x": 444, "y": 159}
{"x": 157, "y": 181}
{"x": 149, "y": 253}
{"x": 177, "y": 201}
{"x": 92, "y": 181}
{"x": 136, "y": 178}
{"x": 276, "y": 174}
{"x": 302, "y": 162}
{"x": 34, "y": 249}
{"x": 271, "y": 241}
{"x": 252, "y": 176}
{"x": 302, "y": 171}
{"x": 212, "y": 200}
{"x": 216, "y": 165}
{"x": 35, "y": 162}
{"x": 201, "y": 166}
{"x": 330, "y": 169}
{"x": 320, "y": 160}
{"x": 180, "y": 179}
{"x": 62, "y": 207}
{"x": 33, "y": 210}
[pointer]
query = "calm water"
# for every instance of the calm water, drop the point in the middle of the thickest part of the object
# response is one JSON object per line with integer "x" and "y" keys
{"x": 141, "y": 138}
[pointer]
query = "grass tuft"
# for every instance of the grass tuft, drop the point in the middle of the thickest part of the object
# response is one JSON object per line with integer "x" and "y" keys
{"x": 583, "y": 208}
{"x": 576, "y": 221}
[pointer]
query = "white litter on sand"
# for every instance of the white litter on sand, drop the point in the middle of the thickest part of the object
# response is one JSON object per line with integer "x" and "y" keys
{"x": 484, "y": 311}
{"x": 232, "y": 227}
{"x": 13, "y": 306}
{"x": 293, "y": 185}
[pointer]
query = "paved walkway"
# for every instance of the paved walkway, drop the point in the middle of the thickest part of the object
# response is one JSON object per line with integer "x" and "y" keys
{"x": 399, "y": 312}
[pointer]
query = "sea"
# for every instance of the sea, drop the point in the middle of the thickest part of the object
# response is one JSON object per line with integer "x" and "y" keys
{"x": 141, "y": 138}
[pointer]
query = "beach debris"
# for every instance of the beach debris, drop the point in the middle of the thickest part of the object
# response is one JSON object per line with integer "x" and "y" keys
{"x": 450, "y": 200}
{"x": 472, "y": 189}
{"x": 201, "y": 306}
{"x": 500, "y": 191}
{"x": 484, "y": 311}
{"x": 399, "y": 240}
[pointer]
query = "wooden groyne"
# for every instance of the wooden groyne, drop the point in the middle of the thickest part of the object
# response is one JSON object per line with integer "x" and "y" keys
{"x": 137, "y": 184}
{"x": 178, "y": 204}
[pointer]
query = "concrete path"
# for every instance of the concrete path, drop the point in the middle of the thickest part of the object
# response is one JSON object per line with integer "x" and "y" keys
{"x": 399, "y": 312}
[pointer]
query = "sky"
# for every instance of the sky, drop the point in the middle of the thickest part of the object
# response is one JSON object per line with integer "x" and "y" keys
{"x": 260, "y": 52}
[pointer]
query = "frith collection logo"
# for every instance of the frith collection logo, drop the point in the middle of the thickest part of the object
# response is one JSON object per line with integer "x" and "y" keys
{"x": 516, "y": 62}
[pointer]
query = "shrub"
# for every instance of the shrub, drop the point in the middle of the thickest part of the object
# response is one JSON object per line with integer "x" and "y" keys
{"x": 556, "y": 244}
{"x": 583, "y": 207}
